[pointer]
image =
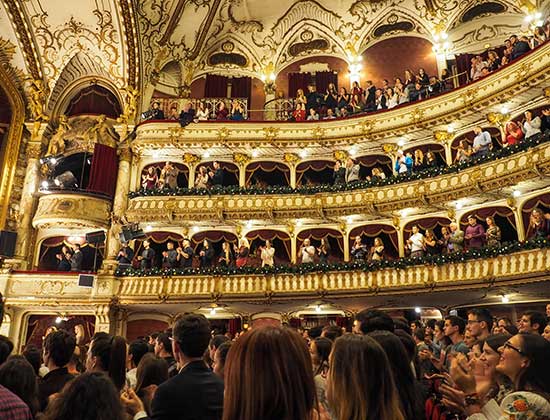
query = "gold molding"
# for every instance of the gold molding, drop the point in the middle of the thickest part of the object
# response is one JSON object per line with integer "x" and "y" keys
{"x": 8, "y": 161}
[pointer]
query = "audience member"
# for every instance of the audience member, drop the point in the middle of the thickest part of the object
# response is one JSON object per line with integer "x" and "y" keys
{"x": 136, "y": 350}
{"x": 531, "y": 125}
{"x": 415, "y": 243}
{"x": 532, "y": 322}
{"x": 206, "y": 254}
{"x": 163, "y": 349}
{"x": 352, "y": 171}
{"x": 170, "y": 256}
{"x": 242, "y": 252}
{"x": 267, "y": 253}
{"x": 320, "y": 352}
{"x": 151, "y": 372}
{"x": 107, "y": 354}
{"x": 370, "y": 320}
{"x": 474, "y": 235}
{"x": 307, "y": 252}
{"x": 519, "y": 47}
{"x": 455, "y": 242}
{"x": 220, "y": 358}
{"x": 17, "y": 375}
{"x": 482, "y": 142}
{"x": 480, "y": 323}
{"x": 493, "y": 233}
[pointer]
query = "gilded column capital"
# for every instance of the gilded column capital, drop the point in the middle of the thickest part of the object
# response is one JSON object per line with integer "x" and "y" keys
{"x": 340, "y": 155}
{"x": 271, "y": 133}
{"x": 241, "y": 159}
{"x": 125, "y": 154}
{"x": 34, "y": 150}
{"x": 389, "y": 148}
{"x": 191, "y": 159}
{"x": 441, "y": 136}
{"x": 546, "y": 92}
{"x": 497, "y": 118}
{"x": 318, "y": 133}
{"x": 290, "y": 158}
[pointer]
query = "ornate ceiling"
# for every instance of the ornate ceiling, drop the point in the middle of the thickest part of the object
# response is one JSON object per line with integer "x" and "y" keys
{"x": 130, "y": 43}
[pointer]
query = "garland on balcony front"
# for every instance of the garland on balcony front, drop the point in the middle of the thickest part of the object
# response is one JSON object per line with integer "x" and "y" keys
{"x": 425, "y": 173}
{"x": 365, "y": 266}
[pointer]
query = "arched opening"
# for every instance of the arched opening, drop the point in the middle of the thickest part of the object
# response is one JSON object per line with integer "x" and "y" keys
{"x": 158, "y": 241}
{"x": 78, "y": 165}
{"x": 230, "y": 171}
{"x": 50, "y": 253}
{"x": 216, "y": 238}
{"x": 94, "y": 99}
{"x": 435, "y": 224}
{"x": 437, "y": 149}
{"x": 315, "y": 172}
{"x": 334, "y": 238}
{"x": 279, "y": 240}
{"x": 387, "y": 233}
{"x": 541, "y": 202}
{"x": 504, "y": 218}
{"x": 470, "y": 135}
{"x": 369, "y": 162}
{"x": 267, "y": 174}
{"x": 5, "y": 119}
{"x": 144, "y": 327}
{"x": 167, "y": 174}
{"x": 38, "y": 324}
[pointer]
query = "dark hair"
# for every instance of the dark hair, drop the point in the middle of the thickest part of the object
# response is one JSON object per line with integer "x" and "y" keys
{"x": 60, "y": 346}
{"x": 496, "y": 341}
{"x": 315, "y": 332}
{"x": 192, "y": 333}
{"x": 420, "y": 334}
{"x": 484, "y": 315}
{"x": 506, "y": 320}
{"x": 111, "y": 353}
{"x": 401, "y": 324}
{"x": 405, "y": 382}
{"x": 269, "y": 377}
{"x": 151, "y": 370}
{"x": 323, "y": 345}
{"x": 536, "y": 376}
{"x": 360, "y": 384}
{"x": 332, "y": 332}
{"x": 373, "y": 319}
{"x": 456, "y": 321}
{"x": 536, "y": 317}
{"x": 164, "y": 339}
{"x": 17, "y": 375}
{"x": 154, "y": 335}
{"x": 218, "y": 340}
{"x": 511, "y": 329}
{"x": 6, "y": 347}
{"x": 33, "y": 356}
{"x": 90, "y": 396}
{"x": 223, "y": 350}
{"x": 137, "y": 349}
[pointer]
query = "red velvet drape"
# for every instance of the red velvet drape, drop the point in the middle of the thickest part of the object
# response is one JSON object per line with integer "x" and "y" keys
{"x": 103, "y": 173}
{"x": 463, "y": 67}
{"x": 298, "y": 81}
{"x": 94, "y": 99}
{"x": 234, "y": 326}
{"x": 314, "y": 165}
{"x": 241, "y": 87}
{"x": 323, "y": 79}
{"x": 318, "y": 234}
{"x": 216, "y": 86}
{"x": 372, "y": 231}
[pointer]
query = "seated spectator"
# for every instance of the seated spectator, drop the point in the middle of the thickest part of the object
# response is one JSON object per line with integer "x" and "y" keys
{"x": 482, "y": 142}
{"x": 17, "y": 375}
{"x": 446, "y": 80}
{"x": 360, "y": 380}
{"x": 392, "y": 99}
{"x": 202, "y": 112}
{"x": 531, "y": 126}
{"x": 358, "y": 250}
{"x": 356, "y": 104}
{"x": 331, "y": 97}
{"x": 221, "y": 111}
{"x": 237, "y": 111}
{"x": 313, "y": 115}
{"x": 151, "y": 372}
{"x": 402, "y": 94}
{"x": 377, "y": 174}
{"x": 410, "y": 78}
{"x": 464, "y": 152}
{"x": 376, "y": 252}
{"x": 344, "y": 98}
{"x": 90, "y": 396}
{"x": 507, "y": 54}
{"x": 343, "y": 113}
{"x": 330, "y": 115}
{"x": 58, "y": 348}
{"x": 493, "y": 62}
{"x": 474, "y": 236}
{"x": 477, "y": 65}
{"x": 539, "y": 225}
{"x": 380, "y": 100}
{"x": 155, "y": 113}
{"x": 532, "y": 322}
{"x": 352, "y": 171}
{"x": 173, "y": 115}
{"x": 299, "y": 113}
{"x": 64, "y": 259}
{"x": 286, "y": 374}
{"x": 513, "y": 134}
{"x": 519, "y": 47}
{"x": 417, "y": 92}
{"x": 187, "y": 115}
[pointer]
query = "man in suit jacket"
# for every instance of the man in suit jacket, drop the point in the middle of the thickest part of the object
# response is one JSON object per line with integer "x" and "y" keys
{"x": 216, "y": 176}
{"x": 456, "y": 240}
{"x": 76, "y": 258}
{"x": 195, "y": 393}
{"x": 352, "y": 171}
{"x": 147, "y": 256}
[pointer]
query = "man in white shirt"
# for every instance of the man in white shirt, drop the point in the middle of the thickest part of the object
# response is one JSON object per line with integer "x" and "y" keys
{"x": 482, "y": 142}
{"x": 416, "y": 243}
{"x": 267, "y": 254}
{"x": 307, "y": 251}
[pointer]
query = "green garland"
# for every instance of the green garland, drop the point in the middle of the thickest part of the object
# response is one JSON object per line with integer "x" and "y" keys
{"x": 365, "y": 266}
{"x": 426, "y": 173}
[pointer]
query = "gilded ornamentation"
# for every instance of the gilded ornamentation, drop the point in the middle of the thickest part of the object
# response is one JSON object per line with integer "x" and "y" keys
{"x": 340, "y": 155}
{"x": 389, "y": 148}
{"x": 37, "y": 100}
{"x": 523, "y": 71}
{"x": 241, "y": 159}
{"x": 101, "y": 132}
{"x": 366, "y": 127}
{"x": 34, "y": 150}
{"x": 222, "y": 134}
{"x": 57, "y": 142}
{"x": 417, "y": 115}
{"x": 290, "y": 158}
{"x": 546, "y": 92}
{"x": 496, "y": 118}
{"x": 190, "y": 158}
{"x": 443, "y": 136}
{"x": 271, "y": 133}
{"x": 130, "y": 105}
{"x": 469, "y": 96}
{"x": 318, "y": 133}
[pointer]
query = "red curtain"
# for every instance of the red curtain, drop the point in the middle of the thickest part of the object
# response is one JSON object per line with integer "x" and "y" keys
{"x": 241, "y": 87}
{"x": 270, "y": 234}
{"x": 234, "y": 326}
{"x": 214, "y": 236}
{"x": 372, "y": 231}
{"x": 318, "y": 234}
{"x": 94, "y": 100}
{"x": 103, "y": 173}
{"x": 216, "y": 86}
{"x": 298, "y": 81}
{"x": 425, "y": 224}
{"x": 482, "y": 213}
{"x": 268, "y": 167}
{"x": 323, "y": 79}
{"x": 463, "y": 68}
{"x": 540, "y": 201}
{"x": 314, "y": 165}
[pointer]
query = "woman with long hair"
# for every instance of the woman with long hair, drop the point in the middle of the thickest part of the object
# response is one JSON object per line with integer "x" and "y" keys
{"x": 268, "y": 376}
{"x": 107, "y": 354}
{"x": 320, "y": 353}
{"x": 227, "y": 258}
{"x": 408, "y": 387}
{"x": 242, "y": 252}
{"x": 151, "y": 372}
{"x": 514, "y": 134}
{"x": 17, "y": 375}
{"x": 493, "y": 233}
{"x": 360, "y": 384}
{"x": 90, "y": 396}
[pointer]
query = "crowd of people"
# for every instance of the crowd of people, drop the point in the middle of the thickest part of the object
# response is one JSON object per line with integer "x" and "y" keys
{"x": 69, "y": 258}
{"x": 477, "y": 367}
{"x": 189, "y": 114}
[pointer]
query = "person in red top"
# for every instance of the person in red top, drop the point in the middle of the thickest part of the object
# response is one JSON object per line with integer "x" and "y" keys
{"x": 513, "y": 134}
{"x": 299, "y": 113}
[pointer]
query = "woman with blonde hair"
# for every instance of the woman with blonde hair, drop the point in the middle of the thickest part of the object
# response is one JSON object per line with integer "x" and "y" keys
{"x": 360, "y": 384}
{"x": 514, "y": 134}
{"x": 242, "y": 252}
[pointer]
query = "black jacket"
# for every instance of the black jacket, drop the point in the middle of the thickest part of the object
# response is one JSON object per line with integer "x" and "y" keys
{"x": 520, "y": 48}
{"x": 339, "y": 176}
{"x": 196, "y": 393}
{"x": 217, "y": 178}
{"x": 51, "y": 384}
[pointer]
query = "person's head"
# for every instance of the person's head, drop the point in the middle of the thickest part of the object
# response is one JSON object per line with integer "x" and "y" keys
{"x": 216, "y": 165}
{"x": 170, "y": 246}
{"x": 429, "y": 234}
{"x": 532, "y": 322}
{"x": 439, "y": 330}
{"x": 311, "y": 88}
{"x": 414, "y": 325}
{"x": 267, "y": 243}
{"x": 472, "y": 220}
{"x": 146, "y": 243}
{"x": 528, "y": 115}
{"x": 58, "y": 348}
{"x": 268, "y": 376}
{"x": 500, "y": 324}
{"x": 156, "y": 105}
{"x": 76, "y": 247}
{"x": 206, "y": 243}
{"x": 419, "y": 334}
{"x": 454, "y": 325}
{"x": 80, "y": 330}
{"x": 490, "y": 355}
{"x": 33, "y": 356}
{"x": 151, "y": 370}
{"x": 312, "y": 111}
{"x": 360, "y": 384}
{"x": 524, "y": 359}
{"x": 370, "y": 320}
{"x": 90, "y": 396}
{"x": 306, "y": 242}
{"x": 332, "y": 332}
{"x": 163, "y": 346}
{"x": 546, "y": 332}
{"x": 107, "y": 354}
{"x": 415, "y": 229}
{"x": 453, "y": 227}
{"x": 480, "y": 323}
{"x": 378, "y": 241}
{"x": 469, "y": 339}
{"x": 191, "y": 336}
{"x": 548, "y": 310}
{"x": 216, "y": 342}
{"x": 389, "y": 92}
{"x": 319, "y": 349}
{"x": 490, "y": 220}
{"x": 17, "y": 375}
{"x": 136, "y": 350}
{"x": 477, "y": 130}
{"x": 220, "y": 357}
{"x": 6, "y": 347}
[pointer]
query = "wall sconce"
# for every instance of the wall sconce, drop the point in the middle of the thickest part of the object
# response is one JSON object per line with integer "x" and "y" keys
{"x": 268, "y": 77}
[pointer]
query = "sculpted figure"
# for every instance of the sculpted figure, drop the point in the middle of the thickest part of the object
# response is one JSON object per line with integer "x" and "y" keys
{"x": 57, "y": 142}
{"x": 101, "y": 133}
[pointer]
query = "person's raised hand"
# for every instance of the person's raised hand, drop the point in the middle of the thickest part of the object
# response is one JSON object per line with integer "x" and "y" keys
{"x": 131, "y": 402}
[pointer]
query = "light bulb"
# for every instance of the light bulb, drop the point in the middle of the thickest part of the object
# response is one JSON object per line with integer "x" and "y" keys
{"x": 417, "y": 310}
{"x": 505, "y": 299}
{"x": 516, "y": 193}
{"x": 45, "y": 184}
{"x": 213, "y": 311}
{"x": 318, "y": 308}
{"x": 58, "y": 320}
{"x": 459, "y": 206}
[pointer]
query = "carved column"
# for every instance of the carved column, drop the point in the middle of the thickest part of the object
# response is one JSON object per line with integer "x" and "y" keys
{"x": 400, "y": 236}
{"x": 103, "y": 318}
{"x": 192, "y": 161}
{"x": 293, "y": 250}
{"x": 241, "y": 160}
{"x": 345, "y": 235}
{"x": 445, "y": 138}
{"x": 498, "y": 119}
{"x": 390, "y": 150}
{"x": 520, "y": 227}
{"x": 293, "y": 176}
{"x": 27, "y": 204}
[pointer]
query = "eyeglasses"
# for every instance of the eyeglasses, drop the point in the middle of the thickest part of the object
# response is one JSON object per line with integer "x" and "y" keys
{"x": 511, "y": 346}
